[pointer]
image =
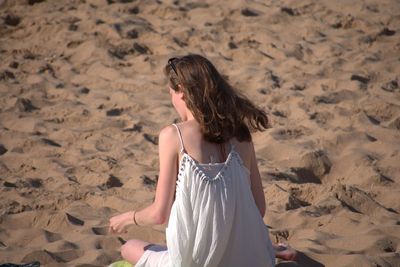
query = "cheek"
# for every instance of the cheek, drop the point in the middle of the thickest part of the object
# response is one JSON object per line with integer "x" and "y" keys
{"x": 172, "y": 94}
{"x": 174, "y": 99}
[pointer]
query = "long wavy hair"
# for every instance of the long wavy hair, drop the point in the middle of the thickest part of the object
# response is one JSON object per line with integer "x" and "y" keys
{"x": 221, "y": 111}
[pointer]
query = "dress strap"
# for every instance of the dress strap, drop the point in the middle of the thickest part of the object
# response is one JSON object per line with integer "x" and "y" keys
{"x": 180, "y": 138}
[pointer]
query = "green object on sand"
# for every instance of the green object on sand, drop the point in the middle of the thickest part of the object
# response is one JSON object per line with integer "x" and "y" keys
{"x": 120, "y": 264}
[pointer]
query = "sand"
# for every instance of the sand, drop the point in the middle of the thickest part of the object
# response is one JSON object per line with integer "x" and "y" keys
{"x": 83, "y": 98}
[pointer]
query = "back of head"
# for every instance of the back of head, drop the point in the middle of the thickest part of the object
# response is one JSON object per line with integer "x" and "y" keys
{"x": 222, "y": 112}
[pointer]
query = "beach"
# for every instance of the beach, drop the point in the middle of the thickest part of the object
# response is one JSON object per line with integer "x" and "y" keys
{"x": 83, "y": 98}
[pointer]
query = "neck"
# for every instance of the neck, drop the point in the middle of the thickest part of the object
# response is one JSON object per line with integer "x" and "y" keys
{"x": 188, "y": 116}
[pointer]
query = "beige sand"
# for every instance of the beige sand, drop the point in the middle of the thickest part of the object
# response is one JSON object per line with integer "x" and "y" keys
{"x": 83, "y": 99}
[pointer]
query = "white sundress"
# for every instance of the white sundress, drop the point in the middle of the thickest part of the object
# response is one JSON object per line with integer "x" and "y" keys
{"x": 214, "y": 220}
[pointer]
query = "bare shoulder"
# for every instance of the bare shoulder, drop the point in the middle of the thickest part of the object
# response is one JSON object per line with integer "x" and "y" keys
{"x": 168, "y": 132}
{"x": 169, "y": 137}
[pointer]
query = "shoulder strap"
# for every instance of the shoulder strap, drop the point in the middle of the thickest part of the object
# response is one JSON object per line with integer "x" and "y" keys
{"x": 180, "y": 138}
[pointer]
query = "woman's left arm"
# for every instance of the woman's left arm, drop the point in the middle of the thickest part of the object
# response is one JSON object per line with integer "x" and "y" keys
{"x": 158, "y": 212}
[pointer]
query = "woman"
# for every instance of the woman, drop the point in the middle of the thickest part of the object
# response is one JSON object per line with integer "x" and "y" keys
{"x": 209, "y": 188}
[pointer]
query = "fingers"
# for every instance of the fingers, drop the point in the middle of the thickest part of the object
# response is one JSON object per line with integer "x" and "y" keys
{"x": 113, "y": 226}
{"x": 117, "y": 224}
{"x": 114, "y": 229}
{"x": 110, "y": 229}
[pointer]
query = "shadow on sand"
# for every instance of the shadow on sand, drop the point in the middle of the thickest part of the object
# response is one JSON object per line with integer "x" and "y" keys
{"x": 302, "y": 261}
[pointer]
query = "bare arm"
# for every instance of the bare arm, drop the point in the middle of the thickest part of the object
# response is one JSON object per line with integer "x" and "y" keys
{"x": 256, "y": 185}
{"x": 158, "y": 212}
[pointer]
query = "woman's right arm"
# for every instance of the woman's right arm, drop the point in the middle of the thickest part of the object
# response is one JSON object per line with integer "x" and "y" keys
{"x": 158, "y": 212}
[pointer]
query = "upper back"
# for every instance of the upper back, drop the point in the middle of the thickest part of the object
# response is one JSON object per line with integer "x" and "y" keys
{"x": 206, "y": 152}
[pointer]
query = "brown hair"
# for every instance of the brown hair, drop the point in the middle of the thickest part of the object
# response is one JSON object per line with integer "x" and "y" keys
{"x": 222, "y": 112}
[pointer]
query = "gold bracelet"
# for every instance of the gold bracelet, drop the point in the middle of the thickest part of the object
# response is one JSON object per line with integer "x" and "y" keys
{"x": 134, "y": 218}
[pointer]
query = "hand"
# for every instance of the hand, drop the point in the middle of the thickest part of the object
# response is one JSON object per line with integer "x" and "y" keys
{"x": 119, "y": 222}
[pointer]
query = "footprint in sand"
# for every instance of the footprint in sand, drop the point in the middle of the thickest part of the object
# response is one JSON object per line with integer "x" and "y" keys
{"x": 3, "y": 149}
{"x": 52, "y": 237}
{"x": 379, "y": 112}
{"x": 50, "y": 142}
{"x": 289, "y": 133}
{"x": 12, "y": 20}
{"x": 147, "y": 181}
{"x": 248, "y": 12}
{"x": 74, "y": 220}
{"x": 7, "y": 75}
{"x": 114, "y": 112}
{"x": 391, "y": 86}
{"x": 321, "y": 118}
{"x": 112, "y": 181}
{"x": 42, "y": 256}
{"x": 100, "y": 230}
{"x": 335, "y": 97}
{"x": 395, "y": 124}
{"x": 132, "y": 34}
{"x": 356, "y": 200}
{"x": 25, "y": 105}
{"x": 151, "y": 138}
